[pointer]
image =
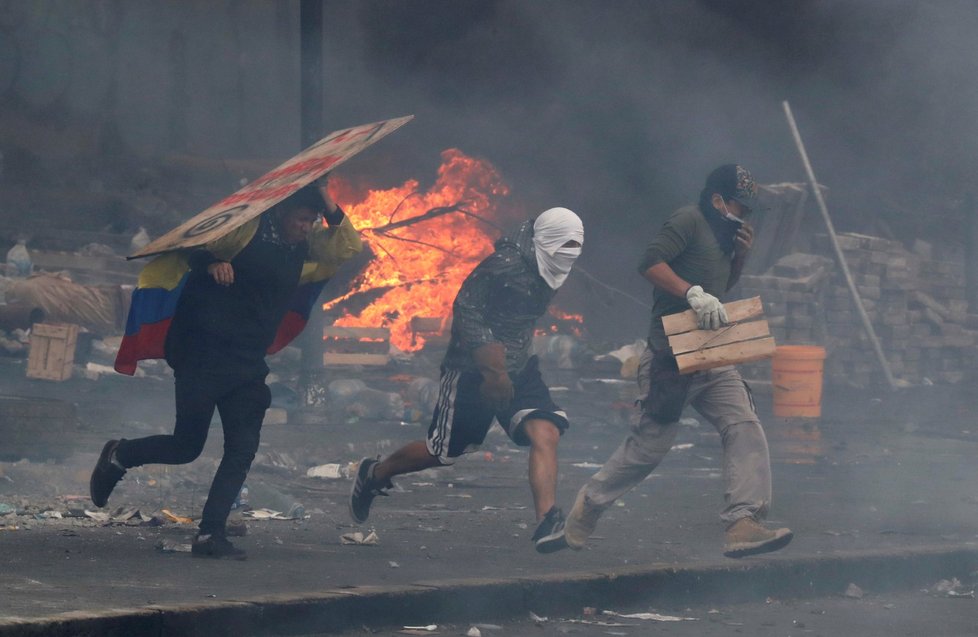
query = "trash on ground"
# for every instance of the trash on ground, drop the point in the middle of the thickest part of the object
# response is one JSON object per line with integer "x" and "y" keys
{"x": 951, "y": 588}
{"x": 98, "y": 516}
{"x": 682, "y": 447}
{"x": 537, "y": 619}
{"x": 124, "y": 515}
{"x": 854, "y": 592}
{"x": 179, "y": 519}
{"x": 169, "y": 546}
{"x": 269, "y": 514}
{"x": 359, "y": 538}
{"x": 473, "y": 632}
{"x": 430, "y": 628}
{"x": 595, "y": 622}
{"x": 656, "y": 617}
{"x": 587, "y": 465}
{"x": 6, "y": 509}
{"x": 332, "y": 471}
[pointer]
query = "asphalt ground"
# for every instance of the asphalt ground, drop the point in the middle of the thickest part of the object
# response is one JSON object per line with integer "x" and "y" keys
{"x": 879, "y": 477}
{"x": 903, "y": 614}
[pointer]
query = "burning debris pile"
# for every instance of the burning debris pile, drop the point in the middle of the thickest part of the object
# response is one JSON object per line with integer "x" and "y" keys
{"x": 917, "y": 304}
{"x": 424, "y": 243}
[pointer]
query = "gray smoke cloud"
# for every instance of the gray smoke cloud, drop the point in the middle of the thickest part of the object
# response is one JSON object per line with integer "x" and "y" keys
{"x": 618, "y": 110}
{"x": 614, "y": 109}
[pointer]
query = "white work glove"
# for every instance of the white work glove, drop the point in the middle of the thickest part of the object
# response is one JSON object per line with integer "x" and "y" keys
{"x": 710, "y": 314}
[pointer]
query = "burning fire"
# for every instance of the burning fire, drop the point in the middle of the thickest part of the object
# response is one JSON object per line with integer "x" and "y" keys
{"x": 561, "y": 321}
{"x": 420, "y": 265}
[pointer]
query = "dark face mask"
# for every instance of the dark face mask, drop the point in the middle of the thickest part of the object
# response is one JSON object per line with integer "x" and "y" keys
{"x": 724, "y": 230}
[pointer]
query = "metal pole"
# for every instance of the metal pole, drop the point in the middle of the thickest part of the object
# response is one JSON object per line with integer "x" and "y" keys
{"x": 867, "y": 324}
{"x": 311, "y": 129}
{"x": 311, "y": 70}
{"x": 971, "y": 214}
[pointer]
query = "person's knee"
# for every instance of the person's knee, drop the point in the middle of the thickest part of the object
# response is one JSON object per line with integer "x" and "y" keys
{"x": 542, "y": 433}
{"x": 188, "y": 452}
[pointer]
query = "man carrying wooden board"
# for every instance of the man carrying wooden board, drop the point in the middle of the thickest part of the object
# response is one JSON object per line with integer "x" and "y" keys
{"x": 697, "y": 256}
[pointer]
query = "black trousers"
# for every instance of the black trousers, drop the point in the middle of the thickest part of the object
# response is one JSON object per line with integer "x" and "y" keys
{"x": 241, "y": 402}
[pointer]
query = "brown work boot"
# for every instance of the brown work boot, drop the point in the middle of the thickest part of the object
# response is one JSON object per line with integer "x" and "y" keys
{"x": 747, "y": 536}
{"x": 580, "y": 522}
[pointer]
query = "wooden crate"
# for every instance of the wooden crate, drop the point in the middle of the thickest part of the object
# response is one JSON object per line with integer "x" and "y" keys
{"x": 356, "y": 345}
{"x": 743, "y": 340}
{"x": 52, "y": 351}
{"x": 435, "y": 330}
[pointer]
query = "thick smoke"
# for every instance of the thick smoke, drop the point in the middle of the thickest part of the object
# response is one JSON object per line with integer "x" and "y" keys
{"x": 618, "y": 110}
{"x": 614, "y": 109}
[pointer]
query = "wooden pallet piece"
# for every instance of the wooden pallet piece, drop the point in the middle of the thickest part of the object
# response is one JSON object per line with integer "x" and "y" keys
{"x": 52, "y": 351}
{"x": 435, "y": 330}
{"x": 737, "y": 311}
{"x": 356, "y": 346}
{"x": 743, "y": 340}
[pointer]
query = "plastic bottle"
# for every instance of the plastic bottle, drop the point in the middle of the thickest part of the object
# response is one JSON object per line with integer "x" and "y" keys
{"x": 242, "y": 500}
{"x": 19, "y": 260}
{"x": 267, "y": 497}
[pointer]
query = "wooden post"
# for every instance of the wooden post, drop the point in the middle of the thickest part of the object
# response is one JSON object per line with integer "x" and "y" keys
{"x": 813, "y": 183}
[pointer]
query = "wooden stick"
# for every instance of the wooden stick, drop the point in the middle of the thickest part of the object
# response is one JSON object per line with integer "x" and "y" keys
{"x": 867, "y": 324}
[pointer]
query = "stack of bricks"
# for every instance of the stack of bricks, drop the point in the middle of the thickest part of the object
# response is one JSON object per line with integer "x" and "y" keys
{"x": 916, "y": 303}
{"x": 794, "y": 292}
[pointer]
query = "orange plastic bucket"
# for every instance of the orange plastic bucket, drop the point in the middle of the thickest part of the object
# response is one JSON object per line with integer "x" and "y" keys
{"x": 797, "y": 380}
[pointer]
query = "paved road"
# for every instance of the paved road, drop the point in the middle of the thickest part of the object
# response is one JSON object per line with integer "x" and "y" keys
{"x": 879, "y": 474}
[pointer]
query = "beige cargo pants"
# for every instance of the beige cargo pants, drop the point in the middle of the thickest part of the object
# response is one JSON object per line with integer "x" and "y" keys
{"x": 722, "y": 398}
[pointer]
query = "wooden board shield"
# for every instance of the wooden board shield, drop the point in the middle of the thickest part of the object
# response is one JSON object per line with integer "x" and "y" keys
{"x": 743, "y": 340}
{"x": 272, "y": 187}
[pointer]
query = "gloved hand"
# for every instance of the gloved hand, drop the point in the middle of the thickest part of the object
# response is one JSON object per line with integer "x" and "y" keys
{"x": 710, "y": 314}
{"x": 496, "y": 388}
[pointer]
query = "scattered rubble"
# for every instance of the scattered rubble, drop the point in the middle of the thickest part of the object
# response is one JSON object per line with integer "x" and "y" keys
{"x": 917, "y": 303}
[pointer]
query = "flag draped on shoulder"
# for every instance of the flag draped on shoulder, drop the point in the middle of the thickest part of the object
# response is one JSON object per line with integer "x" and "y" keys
{"x": 154, "y": 301}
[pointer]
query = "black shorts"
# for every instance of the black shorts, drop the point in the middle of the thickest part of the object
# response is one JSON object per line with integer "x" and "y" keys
{"x": 462, "y": 419}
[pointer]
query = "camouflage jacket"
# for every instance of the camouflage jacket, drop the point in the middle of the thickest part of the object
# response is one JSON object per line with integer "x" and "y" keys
{"x": 500, "y": 301}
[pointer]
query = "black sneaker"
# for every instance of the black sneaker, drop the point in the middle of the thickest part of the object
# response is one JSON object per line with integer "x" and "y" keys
{"x": 216, "y": 547}
{"x": 365, "y": 489}
{"x": 105, "y": 475}
{"x": 549, "y": 536}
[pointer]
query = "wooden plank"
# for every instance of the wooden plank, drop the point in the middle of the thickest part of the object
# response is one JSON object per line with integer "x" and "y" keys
{"x": 737, "y": 311}
{"x": 742, "y": 352}
{"x": 332, "y": 358}
{"x": 429, "y": 323}
{"x": 702, "y": 339}
{"x": 355, "y": 333}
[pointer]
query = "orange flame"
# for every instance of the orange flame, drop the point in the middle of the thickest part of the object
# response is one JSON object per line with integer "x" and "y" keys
{"x": 561, "y": 322}
{"x": 421, "y": 265}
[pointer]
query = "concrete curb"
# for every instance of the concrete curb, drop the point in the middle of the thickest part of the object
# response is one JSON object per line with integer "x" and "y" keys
{"x": 469, "y": 600}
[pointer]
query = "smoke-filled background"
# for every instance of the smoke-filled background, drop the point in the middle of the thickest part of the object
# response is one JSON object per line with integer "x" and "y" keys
{"x": 614, "y": 109}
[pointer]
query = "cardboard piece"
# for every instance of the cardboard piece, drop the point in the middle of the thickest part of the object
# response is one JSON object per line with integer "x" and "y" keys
{"x": 272, "y": 187}
{"x": 741, "y": 341}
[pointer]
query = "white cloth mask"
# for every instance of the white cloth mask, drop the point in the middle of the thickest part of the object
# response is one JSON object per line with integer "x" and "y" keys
{"x": 551, "y": 230}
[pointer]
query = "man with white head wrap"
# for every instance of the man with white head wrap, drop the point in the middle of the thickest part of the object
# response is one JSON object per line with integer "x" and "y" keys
{"x": 489, "y": 375}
